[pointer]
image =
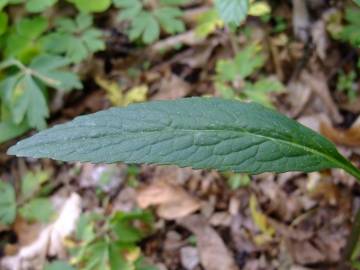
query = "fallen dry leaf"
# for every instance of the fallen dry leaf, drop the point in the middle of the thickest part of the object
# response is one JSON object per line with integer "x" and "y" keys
{"x": 50, "y": 242}
{"x": 172, "y": 87}
{"x": 172, "y": 201}
{"x": 348, "y": 137}
{"x": 213, "y": 252}
{"x": 261, "y": 221}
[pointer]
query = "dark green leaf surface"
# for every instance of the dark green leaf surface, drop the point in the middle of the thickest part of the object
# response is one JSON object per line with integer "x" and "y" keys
{"x": 196, "y": 132}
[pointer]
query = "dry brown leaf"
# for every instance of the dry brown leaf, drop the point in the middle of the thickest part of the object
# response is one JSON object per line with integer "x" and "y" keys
{"x": 303, "y": 252}
{"x": 348, "y": 137}
{"x": 172, "y": 201}
{"x": 213, "y": 252}
{"x": 172, "y": 87}
{"x": 50, "y": 242}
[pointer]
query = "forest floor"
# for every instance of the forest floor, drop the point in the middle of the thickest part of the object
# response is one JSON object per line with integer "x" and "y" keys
{"x": 206, "y": 219}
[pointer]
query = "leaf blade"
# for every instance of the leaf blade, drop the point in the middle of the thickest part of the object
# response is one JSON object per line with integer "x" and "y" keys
{"x": 201, "y": 133}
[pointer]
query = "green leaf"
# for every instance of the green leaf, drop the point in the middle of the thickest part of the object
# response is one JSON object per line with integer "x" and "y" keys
{"x": 169, "y": 19}
{"x": 208, "y": 22}
{"x": 23, "y": 92}
{"x": 23, "y": 41}
{"x": 32, "y": 182}
{"x": 96, "y": 256}
{"x": 91, "y": 6}
{"x": 259, "y": 91}
{"x": 203, "y": 133}
{"x": 146, "y": 26}
{"x": 351, "y": 31}
{"x": 123, "y": 225}
{"x": 3, "y": 22}
{"x": 25, "y": 99}
{"x": 232, "y": 12}
{"x": 54, "y": 68}
{"x": 38, "y": 5}
{"x": 77, "y": 39}
{"x": 38, "y": 209}
{"x": 9, "y": 130}
{"x": 129, "y": 8}
{"x": 357, "y": 2}
{"x": 7, "y": 203}
{"x": 245, "y": 63}
{"x": 59, "y": 265}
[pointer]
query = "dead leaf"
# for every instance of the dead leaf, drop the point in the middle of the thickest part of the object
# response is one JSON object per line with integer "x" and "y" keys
{"x": 304, "y": 252}
{"x": 50, "y": 242}
{"x": 213, "y": 252}
{"x": 348, "y": 137}
{"x": 172, "y": 87}
{"x": 115, "y": 92}
{"x": 172, "y": 201}
{"x": 261, "y": 221}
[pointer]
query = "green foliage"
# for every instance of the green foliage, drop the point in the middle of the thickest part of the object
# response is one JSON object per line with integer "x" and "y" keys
{"x": 230, "y": 136}
{"x": 146, "y": 24}
{"x": 351, "y": 31}
{"x": 346, "y": 83}
{"x": 232, "y": 12}
{"x": 115, "y": 247}
{"x": 39, "y": 5}
{"x": 23, "y": 40}
{"x": 76, "y": 39}
{"x": 23, "y": 90}
{"x": 238, "y": 180}
{"x": 38, "y": 209}
{"x": 7, "y": 203}
{"x": 32, "y": 182}
{"x": 208, "y": 22}
{"x": 3, "y": 22}
{"x": 32, "y": 207}
{"x": 91, "y": 6}
{"x": 231, "y": 77}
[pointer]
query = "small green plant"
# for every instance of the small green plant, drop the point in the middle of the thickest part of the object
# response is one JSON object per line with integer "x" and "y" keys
{"x": 111, "y": 242}
{"x": 23, "y": 95}
{"x": 30, "y": 204}
{"x": 351, "y": 31}
{"x": 146, "y": 22}
{"x": 346, "y": 83}
{"x": 76, "y": 39}
{"x": 232, "y": 77}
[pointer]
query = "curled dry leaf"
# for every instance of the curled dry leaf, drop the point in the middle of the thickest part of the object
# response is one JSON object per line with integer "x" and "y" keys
{"x": 172, "y": 201}
{"x": 348, "y": 137}
{"x": 50, "y": 242}
{"x": 213, "y": 252}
